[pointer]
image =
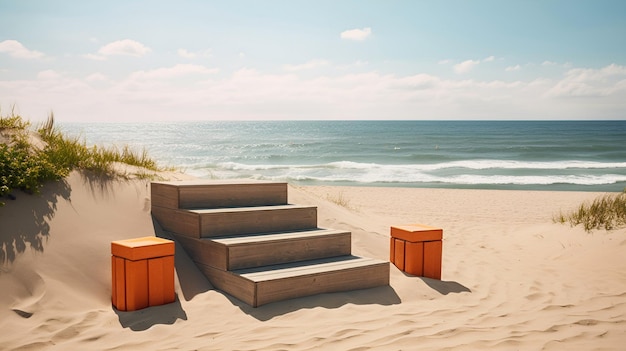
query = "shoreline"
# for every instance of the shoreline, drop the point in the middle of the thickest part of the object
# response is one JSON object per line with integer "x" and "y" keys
{"x": 608, "y": 188}
{"x": 511, "y": 277}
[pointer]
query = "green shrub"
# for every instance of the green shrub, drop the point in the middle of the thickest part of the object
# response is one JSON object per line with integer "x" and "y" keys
{"x": 25, "y": 167}
{"x": 13, "y": 122}
{"x": 22, "y": 169}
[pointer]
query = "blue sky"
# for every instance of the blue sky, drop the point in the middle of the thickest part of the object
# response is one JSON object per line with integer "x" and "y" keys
{"x": 190, "y": 60}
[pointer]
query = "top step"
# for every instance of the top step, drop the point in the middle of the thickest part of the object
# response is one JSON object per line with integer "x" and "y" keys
{"x": 218, "y": 193}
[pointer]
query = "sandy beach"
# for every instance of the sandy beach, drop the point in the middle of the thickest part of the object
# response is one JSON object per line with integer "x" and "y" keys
{"x": 511, "y": 279}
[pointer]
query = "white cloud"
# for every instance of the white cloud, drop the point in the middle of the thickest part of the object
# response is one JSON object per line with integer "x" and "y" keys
{"x": 356, "y": 65}
{"x": 418, "y": 82}
{"x": 176, "y": 71}
{"x": 94, "y": 57}
{"x": 356, "y": 34}
{"x": 96, "y": 77}
{"x": 513, "y": 68}
{"x": 589, "y": 82}
{"x": 125, "y": 47}
{"x": 193, "y": 55}
{"x": 186, "y": 54}
{"x": 465, "y": 66}
{"x": 15, "y": 49}
{"x": 252, "y": 94}
{"x": 566, "y": 65}
{"x": 48, "y": 74}
{"x": 306, "y": 66}
{"x": 444, "y": 62}
{"x": 468, "y": 65}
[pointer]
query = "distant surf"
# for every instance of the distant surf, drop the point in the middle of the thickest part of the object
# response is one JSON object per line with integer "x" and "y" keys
{"x": 550, "y": 155}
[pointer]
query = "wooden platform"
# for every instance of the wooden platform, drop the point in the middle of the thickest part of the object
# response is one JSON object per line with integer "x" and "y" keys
{"x": 253, "y": 245}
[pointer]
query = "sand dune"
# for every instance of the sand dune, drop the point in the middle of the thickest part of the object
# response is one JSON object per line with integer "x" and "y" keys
{"x": 511, "y": 278}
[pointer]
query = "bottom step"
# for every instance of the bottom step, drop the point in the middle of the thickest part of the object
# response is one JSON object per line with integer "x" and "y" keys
{"x": 263, "y": 285}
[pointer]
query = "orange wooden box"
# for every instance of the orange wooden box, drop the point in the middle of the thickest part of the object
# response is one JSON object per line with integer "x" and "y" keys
{"x": 142, "y": 272}
{"x": 417, "y": 249}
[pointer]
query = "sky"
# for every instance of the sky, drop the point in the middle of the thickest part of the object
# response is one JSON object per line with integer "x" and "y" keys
{"x": 118, "y": 61}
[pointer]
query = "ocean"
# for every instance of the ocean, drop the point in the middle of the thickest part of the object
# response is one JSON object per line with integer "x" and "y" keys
{"x": 533, "y": 155}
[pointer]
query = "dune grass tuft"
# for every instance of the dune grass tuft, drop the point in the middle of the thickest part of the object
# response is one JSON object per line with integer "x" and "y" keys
{"x": 25, "y": 166}
{"x": 74, "y": 153}
{"x": 339, "y": 199}
{"x": 605, "y": 212}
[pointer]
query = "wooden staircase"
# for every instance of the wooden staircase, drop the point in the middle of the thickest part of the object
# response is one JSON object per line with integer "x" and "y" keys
{"x": 252, "y": 244}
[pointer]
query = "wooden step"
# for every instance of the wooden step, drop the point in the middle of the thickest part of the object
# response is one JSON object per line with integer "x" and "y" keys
{"x": 218, "y": 193}
{"x": 254, "y": 250}
{"x": 253, "y": 245}
{"x": 262, "y": 285}
{"x": 203, "y": 223}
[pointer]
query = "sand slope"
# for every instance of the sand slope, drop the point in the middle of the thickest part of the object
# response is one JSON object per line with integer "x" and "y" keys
{"x": 511, "y": 278}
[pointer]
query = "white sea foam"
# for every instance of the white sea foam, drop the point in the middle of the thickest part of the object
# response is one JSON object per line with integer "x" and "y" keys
{"x": 489, "y": 164}
{"x": 535, "y": 180}
{"x": 471, "y": 165}
{"x": 499, "y": 172}
{"x": 462, "y": 179}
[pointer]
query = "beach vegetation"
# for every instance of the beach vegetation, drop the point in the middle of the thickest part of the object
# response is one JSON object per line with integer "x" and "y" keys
{"x": 13, "y": 122}
{"x": 605, "y": 212}
{"x": 339, "y": 199}
{"x": 30, "y": 158}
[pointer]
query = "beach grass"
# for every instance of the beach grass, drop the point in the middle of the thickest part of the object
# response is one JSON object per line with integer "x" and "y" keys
{"x": 339, "y": 199}
{"x": 25, "y": 165}
{"x": 605, "y": 212}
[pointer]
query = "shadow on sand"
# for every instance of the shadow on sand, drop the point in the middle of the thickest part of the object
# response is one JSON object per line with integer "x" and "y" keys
{"x": 192, "y": 281}
{"x": 383, "y": 295}
{"x": 25, "y": 217}
{"x": 144, "y": 319}
{"x": 25, "y": 220}
{"x": 443, "y": 287}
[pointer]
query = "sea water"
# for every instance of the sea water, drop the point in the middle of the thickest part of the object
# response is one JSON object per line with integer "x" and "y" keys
{"x": 539, "y": 155}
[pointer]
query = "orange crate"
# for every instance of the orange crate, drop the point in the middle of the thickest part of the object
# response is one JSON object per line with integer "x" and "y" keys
{"x": 142, "y": 273}
{"x": 417, "y": 249}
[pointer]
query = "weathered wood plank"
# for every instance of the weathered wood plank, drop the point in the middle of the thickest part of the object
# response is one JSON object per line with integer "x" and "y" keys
{"x": 290, "y": 247}
{"x": 220, "y": 193}
{"x": 249, "y": 220}
{"x": 243, "y": 289}
{"x": 357, "y": 277}
{"x": 247, "y": 251}
{"x": 178, "y": 221}
{"x": 355, "y": 273}
{"x": 288, "y": 281}
{"x": 204, "y": 251}
{"x": 204, "y": 182}
{"x": 235, "y": 195}
{"x": 282, "y": 271}
{"x": 274, "y": 236}
{"x": 164, "y": 195}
